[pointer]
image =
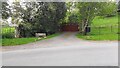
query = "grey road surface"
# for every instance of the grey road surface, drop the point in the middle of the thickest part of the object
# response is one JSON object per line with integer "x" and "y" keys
{"x": 64, "y": 50}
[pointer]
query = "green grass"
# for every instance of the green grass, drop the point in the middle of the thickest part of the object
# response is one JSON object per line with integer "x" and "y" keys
{"x": 99, "y": 37}
{"x": 103, "y": 30}
{"x": 20, "y": 41}
{"x": 99, "y": 21}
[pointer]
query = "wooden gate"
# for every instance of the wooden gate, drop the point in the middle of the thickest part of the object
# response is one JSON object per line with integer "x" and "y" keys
{"x": 71, "y": 27}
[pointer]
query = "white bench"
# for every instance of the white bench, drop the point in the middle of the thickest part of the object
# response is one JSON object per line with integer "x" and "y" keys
{"x": 40, "y": 35}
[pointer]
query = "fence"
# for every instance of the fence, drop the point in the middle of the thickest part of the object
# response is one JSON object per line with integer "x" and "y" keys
{"x": 100, "y": 30}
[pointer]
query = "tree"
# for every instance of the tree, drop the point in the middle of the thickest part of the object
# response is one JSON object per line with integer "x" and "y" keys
{"x": 60, "y": 13}
{"x": 41, "y": 17}
{"x": 87, "y": 10}
{"x": 119, "y": 6}
{"x": 5, "y": 10}
{"x": 73, "y": 18}
{"x": 108, "y": 9}
{"x": 6, "y": 13}
{"x": 16, "y": 17}
{"x": 72, "y": 15}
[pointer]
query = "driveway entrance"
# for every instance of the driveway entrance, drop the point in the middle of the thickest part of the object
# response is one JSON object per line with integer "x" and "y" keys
{"x": 72, "y": 27}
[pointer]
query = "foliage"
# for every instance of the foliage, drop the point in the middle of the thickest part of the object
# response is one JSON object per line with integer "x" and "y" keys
{"x": 8, "y": 35}
{"x": 41, "y": 17}
{"x": 50, "y": 16}
{"x": 108, "y": 9}
{"x": 88, "y": 11}
{"x": 8, "y": 32}
{"x": 73, "y": 18}
{"x": 33, "y": 17}
{"x": 16, "y": 13}
{"x": 17, "y": 10}
{"x": 5, "y": 10}
{"x": 69, "y": 6}
{"x": 72, "y": 15}
{"x": 119, "y": 5}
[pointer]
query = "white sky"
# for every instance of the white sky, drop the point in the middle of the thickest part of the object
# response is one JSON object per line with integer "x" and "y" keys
{"x": 58, "y": 0}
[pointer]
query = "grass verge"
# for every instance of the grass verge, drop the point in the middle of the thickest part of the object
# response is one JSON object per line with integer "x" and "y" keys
{"x": 20, "y": 41}
{"x": 110, "y": 37}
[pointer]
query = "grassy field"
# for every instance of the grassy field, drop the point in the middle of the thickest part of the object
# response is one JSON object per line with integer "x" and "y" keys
{"x": 103, "y": 29}
{"x": 20, "y": 41}
{"x": 99, "y": 21}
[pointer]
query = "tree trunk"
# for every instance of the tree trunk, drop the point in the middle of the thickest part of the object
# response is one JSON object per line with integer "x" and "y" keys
{"x": 17, "y": 33}
{"x": 84, "y": 27}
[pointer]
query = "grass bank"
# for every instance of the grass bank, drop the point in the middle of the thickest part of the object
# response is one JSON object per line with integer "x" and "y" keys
{"x": 20, "y": 41}
{"x": 110, "y": 37}
{"x": 103, "y": 29}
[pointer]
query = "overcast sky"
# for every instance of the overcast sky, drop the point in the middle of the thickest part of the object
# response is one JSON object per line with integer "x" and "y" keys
{"x": 61, "y": 0}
